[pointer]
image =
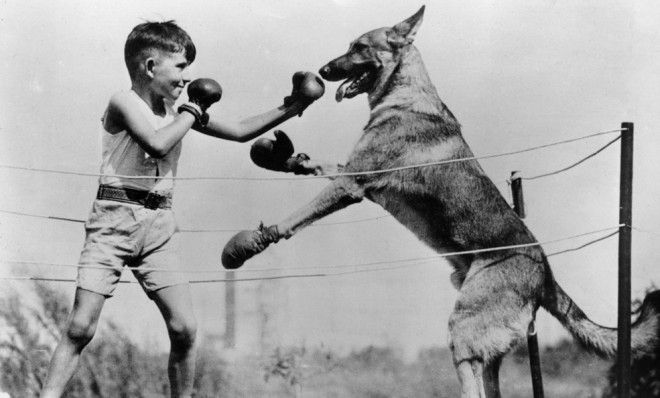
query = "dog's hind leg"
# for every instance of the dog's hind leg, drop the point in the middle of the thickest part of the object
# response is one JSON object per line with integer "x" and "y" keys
{"x": 471, "y": 385}
{"x": 340, "y": 193}
{"x": 492, "y": 378}
{"x": 494, "y": 307}
{"x": 479, "y": 379}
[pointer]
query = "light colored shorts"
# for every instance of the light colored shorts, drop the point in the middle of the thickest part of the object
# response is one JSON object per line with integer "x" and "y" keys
{"x": 122, "y": 234}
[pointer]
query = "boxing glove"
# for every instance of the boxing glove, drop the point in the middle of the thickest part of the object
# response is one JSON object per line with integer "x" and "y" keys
{"x": 202, "y": 93}
{"x": 277, "y": 154}
{"x": 246, "y": 244}
{"x": 307, "y": 88}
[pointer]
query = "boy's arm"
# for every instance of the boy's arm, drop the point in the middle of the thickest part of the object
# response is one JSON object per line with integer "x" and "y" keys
{"x": 307, "y": 88}
{"x": 122, "y": 115}
{"x": 251, "y": 127}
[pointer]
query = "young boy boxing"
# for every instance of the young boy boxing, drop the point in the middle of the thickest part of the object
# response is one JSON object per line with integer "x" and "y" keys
{"x": 131, "y": 222}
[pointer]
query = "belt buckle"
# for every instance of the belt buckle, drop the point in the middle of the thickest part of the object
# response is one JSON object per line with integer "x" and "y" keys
{"x": 152, "y": 201}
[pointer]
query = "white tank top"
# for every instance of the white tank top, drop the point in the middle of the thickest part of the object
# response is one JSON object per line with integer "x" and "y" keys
{"x": 123, "y": 156}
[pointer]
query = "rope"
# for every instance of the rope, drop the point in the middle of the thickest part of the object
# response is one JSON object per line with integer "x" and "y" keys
{"x": 33, "y": 278}
{"x": 369, "y": 172}
{"x": 584, "y": 245}
{"x": 193, "y": 230}
{"x": 214, "y": 230}
{"x": 18, "y": 213}
{"x": 646, "y": 231}
{"x": 574, "y": 164}
{"x": 291, "y": 276}
{"x": 334, "y": 267}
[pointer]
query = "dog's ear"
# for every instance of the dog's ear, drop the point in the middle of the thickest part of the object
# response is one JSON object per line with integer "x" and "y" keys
{"x": 404, "y": 32}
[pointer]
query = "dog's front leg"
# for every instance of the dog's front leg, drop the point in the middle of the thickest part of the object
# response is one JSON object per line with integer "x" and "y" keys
{"x": 341, "y": 192}
{"x": 321, "y": 168}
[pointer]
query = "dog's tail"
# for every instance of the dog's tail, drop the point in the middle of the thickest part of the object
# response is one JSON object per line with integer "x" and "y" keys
{"x": 645, "y": 333}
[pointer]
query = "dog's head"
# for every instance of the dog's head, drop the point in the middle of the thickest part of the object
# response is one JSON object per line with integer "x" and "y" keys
{"x": 368, "y": 55}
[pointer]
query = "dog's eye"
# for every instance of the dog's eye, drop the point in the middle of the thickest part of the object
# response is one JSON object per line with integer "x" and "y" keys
{"x": 359, "y": 46}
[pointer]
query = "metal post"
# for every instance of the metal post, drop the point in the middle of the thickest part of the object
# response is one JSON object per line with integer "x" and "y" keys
{"x": 230, "y": 311}
{"x": 532, "y": 340}
{"x": 534, "y": 360}
{"x": 517, "y": 194}
{"x": 625, "y": 240}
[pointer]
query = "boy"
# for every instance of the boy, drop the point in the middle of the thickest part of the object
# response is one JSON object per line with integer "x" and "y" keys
{"x": 131, "y": 222}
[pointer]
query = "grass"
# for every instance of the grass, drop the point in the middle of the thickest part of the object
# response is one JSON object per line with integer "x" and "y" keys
{"x": 379, "y": 373}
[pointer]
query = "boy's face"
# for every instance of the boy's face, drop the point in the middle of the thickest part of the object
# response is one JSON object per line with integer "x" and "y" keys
{"x": 169, "y": 74}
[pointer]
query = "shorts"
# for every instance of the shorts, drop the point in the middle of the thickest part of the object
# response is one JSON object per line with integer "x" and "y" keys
{"x": 122, "y": 234}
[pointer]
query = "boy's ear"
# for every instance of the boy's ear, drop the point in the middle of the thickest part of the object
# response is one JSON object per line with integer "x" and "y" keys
{"x": 149, "y": 65}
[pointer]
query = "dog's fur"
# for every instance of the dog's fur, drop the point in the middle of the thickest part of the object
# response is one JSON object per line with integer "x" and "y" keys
{"x": 450, "y": 207}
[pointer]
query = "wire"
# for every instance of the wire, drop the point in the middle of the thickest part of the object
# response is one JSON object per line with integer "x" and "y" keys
{"x": 216, "y": 230}
{"x": 369, "y": 172}
{"x": 33, "y": 278}
{"x": 574, "y": 164}
{"x": 646, "y": 231}
{"x": 197, "y": 230}
{"x": 584, "y": 245}
{"x": 293, "y": 276}
{"x": 18, "y": 213}
{"x": 332, "y": 267}
{"x": 359, "y": 220}
{"x": 212, "y": 230}
{"x": 448, "y": 161}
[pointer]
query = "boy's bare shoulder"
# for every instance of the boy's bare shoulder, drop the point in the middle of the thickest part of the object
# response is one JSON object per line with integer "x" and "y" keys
{"x": 113, "y": 119}
{"x": 119, "y": 99}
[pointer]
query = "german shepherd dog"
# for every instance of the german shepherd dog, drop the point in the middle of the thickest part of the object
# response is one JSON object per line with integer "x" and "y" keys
{"x": 450, "y": 207}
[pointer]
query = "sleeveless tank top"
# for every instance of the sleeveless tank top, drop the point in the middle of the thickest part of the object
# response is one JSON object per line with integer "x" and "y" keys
{"x": 122, "y": 156}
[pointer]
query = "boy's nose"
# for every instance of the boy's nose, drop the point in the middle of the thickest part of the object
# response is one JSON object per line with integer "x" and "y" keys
{"x": 185, "y": 76}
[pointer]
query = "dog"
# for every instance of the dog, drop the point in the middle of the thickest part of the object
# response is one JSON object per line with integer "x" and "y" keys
{"x": 452, "y": 207}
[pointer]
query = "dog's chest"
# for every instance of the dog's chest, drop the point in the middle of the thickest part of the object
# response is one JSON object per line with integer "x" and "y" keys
{"x": 404, "y": 140}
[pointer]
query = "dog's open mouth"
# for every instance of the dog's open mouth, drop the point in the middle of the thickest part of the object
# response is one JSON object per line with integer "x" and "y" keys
{"x": 355, "y": 85}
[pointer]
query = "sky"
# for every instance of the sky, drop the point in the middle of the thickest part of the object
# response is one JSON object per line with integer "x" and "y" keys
{"x": 515, "y": 74}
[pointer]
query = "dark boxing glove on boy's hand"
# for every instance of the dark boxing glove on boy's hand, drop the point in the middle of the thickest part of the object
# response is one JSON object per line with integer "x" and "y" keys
{"x": 202, "y": 93}
{"x": 247, "y": 244}
{"x": 307, "y": 88}
{"x": 277, "y": 155}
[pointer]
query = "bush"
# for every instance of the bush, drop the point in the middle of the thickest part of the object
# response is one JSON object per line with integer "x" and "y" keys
{"x": 645, "y": 371}
{"x": 110, "y": 366}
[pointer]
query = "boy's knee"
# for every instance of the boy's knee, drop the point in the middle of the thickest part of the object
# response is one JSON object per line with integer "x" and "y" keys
{"x": 182, "y": 332}
{"x": 81, "y": 331}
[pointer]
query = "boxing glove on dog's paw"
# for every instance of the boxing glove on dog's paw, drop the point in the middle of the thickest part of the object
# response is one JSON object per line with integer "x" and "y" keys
{"x": 277, "y": 154}
{"x": 246, "y": 244}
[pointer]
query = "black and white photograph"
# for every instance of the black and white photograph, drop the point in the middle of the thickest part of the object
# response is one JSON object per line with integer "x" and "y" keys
{"x": 329, "y": 199}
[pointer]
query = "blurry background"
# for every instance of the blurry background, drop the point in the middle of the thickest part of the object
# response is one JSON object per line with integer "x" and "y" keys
{"x": 515, "y": 75}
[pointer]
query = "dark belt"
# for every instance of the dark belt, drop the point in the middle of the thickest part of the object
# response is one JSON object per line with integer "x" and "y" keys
{"x": 150, "y": 200}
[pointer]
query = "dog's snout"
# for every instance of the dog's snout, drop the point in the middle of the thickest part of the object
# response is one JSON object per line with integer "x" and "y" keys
{"x": 324, "y": 71}
{"x": 332, "y": 71}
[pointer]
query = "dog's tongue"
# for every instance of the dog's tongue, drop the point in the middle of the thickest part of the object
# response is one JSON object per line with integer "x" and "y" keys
{"x": 341, "y": 91}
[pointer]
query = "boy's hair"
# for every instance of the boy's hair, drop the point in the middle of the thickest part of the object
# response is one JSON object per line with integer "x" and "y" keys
{"x": 149, "y": 36}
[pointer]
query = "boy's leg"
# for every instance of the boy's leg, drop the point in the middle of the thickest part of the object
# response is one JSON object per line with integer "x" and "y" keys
{"x": 175, "y": 304}
{"x": 79, "y": 332}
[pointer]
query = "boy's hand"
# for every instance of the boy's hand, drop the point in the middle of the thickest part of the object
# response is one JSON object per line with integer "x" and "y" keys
{"x": 277, "y": 154}
{"x": 202, "y": 93}
{"x": 246, "y": 244}
{"x": 307, "y": 88}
